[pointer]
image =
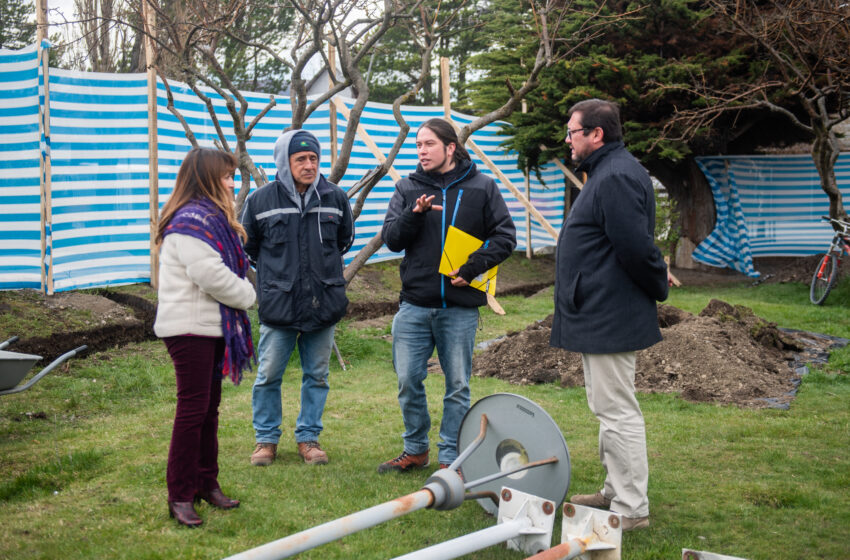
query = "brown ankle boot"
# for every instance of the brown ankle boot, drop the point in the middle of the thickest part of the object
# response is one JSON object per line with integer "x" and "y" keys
{"x": 264, "y": 454}
{"x": 185, "y": 514}
{"x": 216, "y": 498}
{"x": 312, "y": 453}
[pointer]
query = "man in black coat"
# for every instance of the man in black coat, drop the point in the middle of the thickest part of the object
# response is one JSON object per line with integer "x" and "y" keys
{"x": 437, "y": 310}
{"x": 609, "y": 276}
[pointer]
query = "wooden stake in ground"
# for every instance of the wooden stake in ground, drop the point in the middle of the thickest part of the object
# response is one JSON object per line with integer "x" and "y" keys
{"x": 675, "y": 280}
{"x": 45, "y": 166}
{"x": 153, "y": 148}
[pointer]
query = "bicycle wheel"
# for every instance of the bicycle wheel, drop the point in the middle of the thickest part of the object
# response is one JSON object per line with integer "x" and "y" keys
{"x": 823, "y": 279}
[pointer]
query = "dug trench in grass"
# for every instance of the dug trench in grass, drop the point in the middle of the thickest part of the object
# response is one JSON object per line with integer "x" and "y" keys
{"x": 100, "y": 319}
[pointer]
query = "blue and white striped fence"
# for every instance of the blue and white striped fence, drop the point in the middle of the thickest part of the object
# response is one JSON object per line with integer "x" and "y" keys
{"x": 20, "y": 191}
{"x": 100, "y": 174}
{"x": 767, "y": 206}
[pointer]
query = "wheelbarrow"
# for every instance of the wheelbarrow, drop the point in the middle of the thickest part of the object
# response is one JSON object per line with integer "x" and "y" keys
{"x": 15, "y": 365}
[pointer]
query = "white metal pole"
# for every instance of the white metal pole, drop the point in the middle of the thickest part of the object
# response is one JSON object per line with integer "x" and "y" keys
{"x": 334, "y": 530}
{"x": 471, "y": 542}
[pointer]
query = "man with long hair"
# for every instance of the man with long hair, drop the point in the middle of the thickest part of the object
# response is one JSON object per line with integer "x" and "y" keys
{"x": 299, "y": 226}
{"x": 609, "y": 276}
{"x": 436, "y": 310}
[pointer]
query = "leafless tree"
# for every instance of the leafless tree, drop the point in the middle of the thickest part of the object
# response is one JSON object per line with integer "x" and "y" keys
{"x": 426, "y": 35}
{"x": 552, "y": 46}
{"x": 804, "y": 46}
{"x": 97, "y": 42}
{"x": 189, "y": 33}
{"x": 352, "y": 28}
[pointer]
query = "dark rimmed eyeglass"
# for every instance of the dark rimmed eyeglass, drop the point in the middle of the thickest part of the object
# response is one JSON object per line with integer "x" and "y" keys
{"x": 582, "y": 129}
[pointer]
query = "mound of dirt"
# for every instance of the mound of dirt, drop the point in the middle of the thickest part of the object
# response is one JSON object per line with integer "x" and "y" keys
{"x": 726, "y": 355}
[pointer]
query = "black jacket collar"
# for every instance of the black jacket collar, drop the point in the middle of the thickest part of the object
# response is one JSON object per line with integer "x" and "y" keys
{"x": 440, "y": 180}
{"x": 593, "y": 159}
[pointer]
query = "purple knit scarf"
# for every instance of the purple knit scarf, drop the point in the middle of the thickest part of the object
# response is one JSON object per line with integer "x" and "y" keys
{"x": 203, "y": 220}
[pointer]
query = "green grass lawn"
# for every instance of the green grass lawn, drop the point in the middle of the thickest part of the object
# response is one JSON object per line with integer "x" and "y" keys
{"x": 83, "y": 456}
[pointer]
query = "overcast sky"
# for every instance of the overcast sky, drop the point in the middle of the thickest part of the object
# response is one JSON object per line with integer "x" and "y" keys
{"x": 66, "y": 7}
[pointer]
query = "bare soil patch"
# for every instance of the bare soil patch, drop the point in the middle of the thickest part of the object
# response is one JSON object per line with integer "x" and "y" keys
{"x": 725, "y": 355}
{"x": 100, "y": 319}
{"x": 772, "y": 269}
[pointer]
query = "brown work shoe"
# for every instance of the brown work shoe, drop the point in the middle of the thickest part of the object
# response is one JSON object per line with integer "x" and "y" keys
{"x": 312, "y": 453}
{"x": 591, "y": 500}
{"x": 264, "y": 454}
{"x": 447, "y": 465}
{"x": 405, "y": 462}
{"x": 632, "y": 523}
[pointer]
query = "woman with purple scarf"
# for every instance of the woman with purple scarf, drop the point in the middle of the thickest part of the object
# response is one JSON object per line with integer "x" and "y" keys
{"x": 201, "y": 317}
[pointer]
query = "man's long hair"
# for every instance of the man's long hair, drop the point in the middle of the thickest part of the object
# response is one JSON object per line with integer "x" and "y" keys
{"x": 200, "y": 176}
{"x": 445, "y": 132}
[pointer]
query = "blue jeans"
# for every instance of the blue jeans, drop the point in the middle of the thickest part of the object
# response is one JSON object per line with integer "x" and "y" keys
{"x": 416, "y": 332}
{"x": 275, "y": 348}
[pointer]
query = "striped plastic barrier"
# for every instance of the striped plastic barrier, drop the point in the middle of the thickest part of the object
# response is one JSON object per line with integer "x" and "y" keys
{"x": 767, "y": 206}
{"x": 20, "y": 224}
{"x": 100, "y": 193}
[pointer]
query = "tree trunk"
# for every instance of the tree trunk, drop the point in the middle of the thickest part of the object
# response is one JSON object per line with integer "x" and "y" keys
{"x": 688, "y": 187}
{"x": 825, "y": 151}
{"x": 367, "y": 251}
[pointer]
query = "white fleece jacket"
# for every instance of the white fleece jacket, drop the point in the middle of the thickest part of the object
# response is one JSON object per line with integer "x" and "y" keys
{"x": 193, "y": 279}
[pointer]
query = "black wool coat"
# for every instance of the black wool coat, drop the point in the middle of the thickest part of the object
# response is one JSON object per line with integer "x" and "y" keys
{"x": 609, "y": 272}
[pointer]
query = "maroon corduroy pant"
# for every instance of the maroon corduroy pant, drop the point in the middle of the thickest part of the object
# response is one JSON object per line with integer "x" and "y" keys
{"x": 193, "y": 454}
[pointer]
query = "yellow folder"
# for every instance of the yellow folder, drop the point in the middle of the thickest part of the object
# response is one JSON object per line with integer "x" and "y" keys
{"x": 459, "y": 245}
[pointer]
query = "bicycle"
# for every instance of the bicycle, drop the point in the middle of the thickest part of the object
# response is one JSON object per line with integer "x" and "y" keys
{"x": 826, "y": 272}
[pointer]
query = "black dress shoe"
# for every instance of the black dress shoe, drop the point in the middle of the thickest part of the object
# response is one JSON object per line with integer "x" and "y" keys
{"x": 185, "y": 514}
{"x": 217, "y": 499}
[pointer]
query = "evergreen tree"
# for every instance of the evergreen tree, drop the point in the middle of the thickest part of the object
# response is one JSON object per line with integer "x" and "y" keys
{"x": 638, "y": 64}
{"x": 395, "y": 64}
{"x": 18, "y": 27}
{"x": 646, "y": 64}
{"x": 247, "y": 64}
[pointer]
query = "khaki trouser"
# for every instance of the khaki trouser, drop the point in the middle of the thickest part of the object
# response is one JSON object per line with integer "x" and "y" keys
{"x": 609, "y": 381}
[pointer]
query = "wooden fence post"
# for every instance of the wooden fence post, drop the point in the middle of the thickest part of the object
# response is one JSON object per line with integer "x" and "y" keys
{"x": 332, "y": 105}
{"x": 153, "y": 151}
{"x": 445, "y": 88}
{"x": 529, "y": 252}
{"x": 45, "y": 165}
{"x": 489, "y": 163}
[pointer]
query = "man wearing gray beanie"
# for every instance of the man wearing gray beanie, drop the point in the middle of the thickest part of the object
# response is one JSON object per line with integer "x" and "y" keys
{"x": 299, "y": 227}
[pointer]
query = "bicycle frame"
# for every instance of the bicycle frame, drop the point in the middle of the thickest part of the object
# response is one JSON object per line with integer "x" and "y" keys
{"x": 826, "y": 273}
{"x": 840, "y": 245}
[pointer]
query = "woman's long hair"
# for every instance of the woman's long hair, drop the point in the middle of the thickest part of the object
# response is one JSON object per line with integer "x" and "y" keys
{"x": 199, "y": 177}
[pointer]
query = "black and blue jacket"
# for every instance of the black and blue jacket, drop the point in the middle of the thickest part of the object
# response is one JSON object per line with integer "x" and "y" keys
{"x": 471, "y": 202}
{"x": 297, "y": 245}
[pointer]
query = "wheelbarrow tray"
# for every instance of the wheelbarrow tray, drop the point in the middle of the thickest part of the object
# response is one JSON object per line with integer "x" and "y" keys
{"x": 14, "y": 367}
